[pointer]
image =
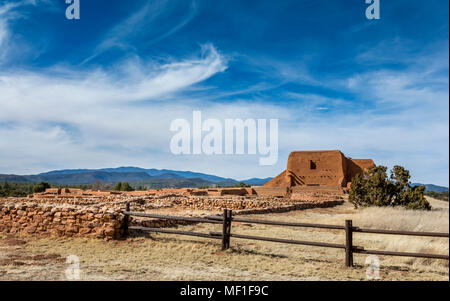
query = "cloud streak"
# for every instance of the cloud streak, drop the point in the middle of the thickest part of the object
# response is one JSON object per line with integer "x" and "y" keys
{"x": 152, "y": 15}
{"x": 23, "y": 88}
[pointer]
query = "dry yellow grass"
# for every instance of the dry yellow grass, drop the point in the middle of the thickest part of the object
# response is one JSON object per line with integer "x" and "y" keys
{"x": 172, "y": 257}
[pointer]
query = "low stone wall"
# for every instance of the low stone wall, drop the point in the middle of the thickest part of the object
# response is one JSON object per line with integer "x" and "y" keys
{"x": 290, "y": 207}
{"x": 219, "y": 203}
{"x": 209, "y": 203}
{"x": 315, "y": 196}
{"x": 67, "y": 193}
{"x": 272, "y": 191}
{"x": 60, "y": 220}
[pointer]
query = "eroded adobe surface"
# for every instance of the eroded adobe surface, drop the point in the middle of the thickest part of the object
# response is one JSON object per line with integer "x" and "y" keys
{"x": 307, "y": 170}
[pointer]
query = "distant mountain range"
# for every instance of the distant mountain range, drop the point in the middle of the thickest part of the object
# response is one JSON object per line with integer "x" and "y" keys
{"x": 432, "y": 187}
{"x": 156, "y": 178}
{"x": 159, "y": 173}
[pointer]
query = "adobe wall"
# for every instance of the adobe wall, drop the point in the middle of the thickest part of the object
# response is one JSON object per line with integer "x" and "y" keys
{"x": 282, "y": 191}
{"x": 364, "y": 164}
{"x": 316, "y": 168}
{"x": 319, "y": 168}
{"x": 279, "y": 181}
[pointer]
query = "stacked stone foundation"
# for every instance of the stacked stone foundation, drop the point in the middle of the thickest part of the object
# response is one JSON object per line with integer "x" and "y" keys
{"x": 60, "y": 220}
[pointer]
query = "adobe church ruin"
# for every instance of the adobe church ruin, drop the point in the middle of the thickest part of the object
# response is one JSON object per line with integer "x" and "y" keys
{"x": 312, "y": 179}
{"x": 319, "y": 168}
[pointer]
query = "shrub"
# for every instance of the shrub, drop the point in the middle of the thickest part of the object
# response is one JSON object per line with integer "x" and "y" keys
{"x": 123, "y": 186}
{"x": 126, "y": 187}
{"x": 374, "y": 188}
{"x": 239, "y": 185}
{"x": 40, "y": 187}
{"x": 118, "y": 186}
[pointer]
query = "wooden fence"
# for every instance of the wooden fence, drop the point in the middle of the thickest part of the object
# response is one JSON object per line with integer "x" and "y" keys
{"x": 226, "y": 220}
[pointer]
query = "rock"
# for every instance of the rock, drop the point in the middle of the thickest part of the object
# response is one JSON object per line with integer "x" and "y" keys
{"x": 30, "y": 230}
{"x": 84, "y": 231}
{"x": 71, "y": 229}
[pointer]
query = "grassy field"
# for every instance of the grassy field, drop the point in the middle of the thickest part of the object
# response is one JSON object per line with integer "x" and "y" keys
{"x": 171, "y": 257}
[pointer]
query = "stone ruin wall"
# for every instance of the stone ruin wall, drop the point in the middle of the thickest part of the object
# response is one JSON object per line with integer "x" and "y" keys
{"x": 101, "y": 217}
{"x": 98, "y": 214}
{"x": 78, "y": 194}
{"x": 59, "y": 220}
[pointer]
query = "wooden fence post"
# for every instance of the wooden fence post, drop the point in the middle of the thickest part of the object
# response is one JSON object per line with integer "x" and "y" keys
{"x": 229, "y": 219}
{"x": 126, "y": 220}
{"x": 224, "y": 229}
{"x": 348, "y": 243}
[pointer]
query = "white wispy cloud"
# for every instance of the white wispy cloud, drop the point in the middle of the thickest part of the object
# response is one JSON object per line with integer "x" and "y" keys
{"x": 5, "y": 17}
{"x": 107, "y": 86}
{"x": 68, "y": 115}
{"x": 9, "y": 12}
{"x": 153, "y": 18}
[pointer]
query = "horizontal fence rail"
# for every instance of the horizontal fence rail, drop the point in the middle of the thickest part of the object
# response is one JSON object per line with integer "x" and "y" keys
{"x": 227, "y": 219}
{"x": 286, "y": 241}
{"x": 397, "y": 232}
{"x": 171, "y": 217}
{"x": 406, "y": 254}
{"x": 275, "y": 223}
{"x": 188, "y": 233}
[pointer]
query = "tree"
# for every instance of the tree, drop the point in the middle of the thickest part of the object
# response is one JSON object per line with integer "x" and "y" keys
{"x": 5, "y": 190}
{"x": 126, "y": 187}
{"x": 413, "y": 198}
{"x": 374, "y": 188}
{"x": 118, "y": 186}
{"x": 358, "y": 191}
{"x": 40, "y": 187}
{"x": 400, "y": 176}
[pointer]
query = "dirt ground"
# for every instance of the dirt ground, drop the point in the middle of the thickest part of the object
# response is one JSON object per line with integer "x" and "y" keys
{"x": 173, "y": 257}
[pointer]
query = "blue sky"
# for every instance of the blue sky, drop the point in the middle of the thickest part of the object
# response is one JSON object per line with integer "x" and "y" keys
{"x": 101, "y": 91}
